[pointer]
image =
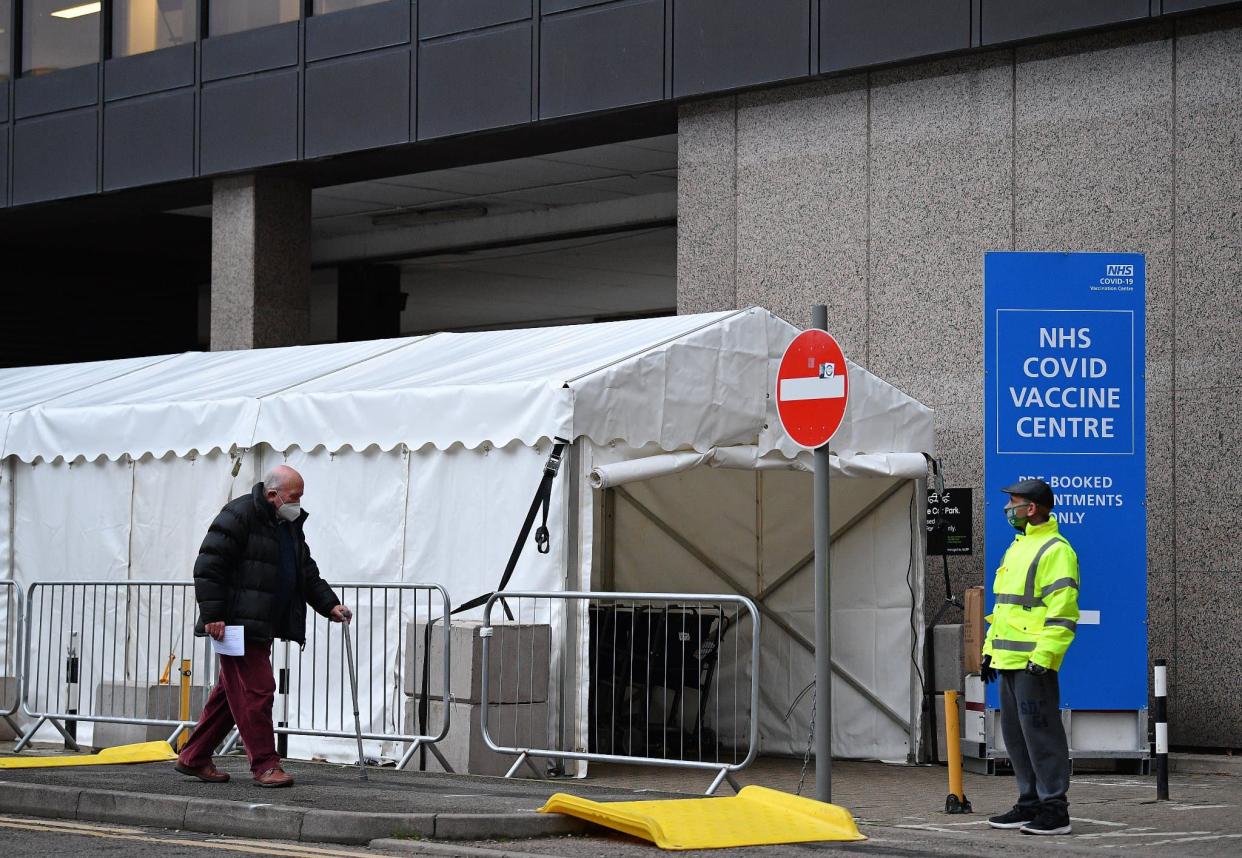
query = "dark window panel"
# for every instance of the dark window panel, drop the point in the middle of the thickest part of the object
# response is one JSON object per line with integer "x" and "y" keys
{"x": 1171, "y": 6}
{"x": 6, "y": 43}
{"x": 1010, "y": 20}
{"x": 379, "y": 26}
{"x": 55, "y": 157}
{"x": 328, "y": 7}
{"x": 442, "y": 17}
{"x": 726, "y": 44}
{"x": 358, "y": 103}
{"x": 4, "y": 166}
{"x": 474, "y": 82}
{"x": 236, "y": 16}
{"x": 249, "y": 122}
{"x": 250, "y": 52}
{"x": 551, "y": 7}
{"x": 59, "y": 34}
{"x": 143, "y": 74}
{"x": 603, "y": 57}
{"x": 4, "y": 102}
{"x": 149, "y": 140}
{"x": 50, "y": 93}
{"x": 855, "y": 33}
{"x": 139, "y": 26}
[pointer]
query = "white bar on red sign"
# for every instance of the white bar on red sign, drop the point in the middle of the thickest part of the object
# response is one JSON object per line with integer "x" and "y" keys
{"x": 799, "y": 389}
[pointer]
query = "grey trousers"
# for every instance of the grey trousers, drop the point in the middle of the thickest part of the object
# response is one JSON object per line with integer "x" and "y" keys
{"x": 1035, "y": 738}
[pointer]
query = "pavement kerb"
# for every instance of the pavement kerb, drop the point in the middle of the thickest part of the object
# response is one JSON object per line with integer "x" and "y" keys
{"x": 262, "y": 820}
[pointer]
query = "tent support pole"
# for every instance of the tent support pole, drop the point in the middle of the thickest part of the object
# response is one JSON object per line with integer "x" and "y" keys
{"x": 693, "y": 550}
{"x": 567, "y": 709}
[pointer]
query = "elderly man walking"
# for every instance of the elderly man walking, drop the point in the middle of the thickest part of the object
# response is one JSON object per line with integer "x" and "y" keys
{"x": 254, "y": 570}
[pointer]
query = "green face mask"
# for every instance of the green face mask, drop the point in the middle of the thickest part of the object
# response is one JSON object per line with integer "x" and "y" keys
{"x": 1017, "y": 522}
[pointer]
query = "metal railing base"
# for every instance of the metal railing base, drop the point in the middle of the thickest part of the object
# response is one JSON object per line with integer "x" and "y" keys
{"x": 28, "y": 736}
{"x": 523, "y": 758}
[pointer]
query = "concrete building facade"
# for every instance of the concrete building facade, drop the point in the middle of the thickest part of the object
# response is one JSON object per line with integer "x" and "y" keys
{"x": 878, "y": 194}
{"x": 250, "y": 174}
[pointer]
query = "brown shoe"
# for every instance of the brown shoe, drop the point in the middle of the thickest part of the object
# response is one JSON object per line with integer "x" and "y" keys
{"x": 207, "y": 774}
{"x": 275, "y": 777}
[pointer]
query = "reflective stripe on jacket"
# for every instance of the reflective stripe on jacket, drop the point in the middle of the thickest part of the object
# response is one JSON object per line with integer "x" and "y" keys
{"x": 1036, "y": 610}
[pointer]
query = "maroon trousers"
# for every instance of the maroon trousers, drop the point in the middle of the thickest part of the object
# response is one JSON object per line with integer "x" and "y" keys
{"x": 242, "y": 696}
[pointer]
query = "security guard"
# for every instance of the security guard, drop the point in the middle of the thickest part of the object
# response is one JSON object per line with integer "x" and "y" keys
{"x": 1032, "y": 626}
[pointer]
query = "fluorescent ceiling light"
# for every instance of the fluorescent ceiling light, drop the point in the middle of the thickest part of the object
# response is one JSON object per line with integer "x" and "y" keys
{"x": 78, "y": 11}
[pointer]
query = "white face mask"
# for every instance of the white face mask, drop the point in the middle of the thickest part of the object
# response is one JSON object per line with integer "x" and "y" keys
{"x": 290, "y": 511}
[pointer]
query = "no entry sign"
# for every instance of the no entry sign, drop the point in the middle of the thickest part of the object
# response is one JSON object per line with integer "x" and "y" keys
{"x": 812, "y": 388}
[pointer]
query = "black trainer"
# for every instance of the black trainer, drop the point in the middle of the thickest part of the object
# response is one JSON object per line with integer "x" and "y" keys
{"x": 1049, "y": 822}
{"x": 1015, "y": 818}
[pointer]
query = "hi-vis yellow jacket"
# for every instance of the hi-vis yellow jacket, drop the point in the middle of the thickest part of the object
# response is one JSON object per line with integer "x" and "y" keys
{"x": 1036, "y": 611}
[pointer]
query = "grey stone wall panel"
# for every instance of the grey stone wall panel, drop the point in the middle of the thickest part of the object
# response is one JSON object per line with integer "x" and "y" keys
{"x": 1209, "y": 684}
{"x": 802, "y": 205}
{"x": 940, "y": 135}
{"x": 707, "y": 206}
{"x": 1209, "y": 176}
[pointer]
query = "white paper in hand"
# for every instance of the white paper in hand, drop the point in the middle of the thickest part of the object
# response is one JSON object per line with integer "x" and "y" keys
{"x": 234, "y": 642}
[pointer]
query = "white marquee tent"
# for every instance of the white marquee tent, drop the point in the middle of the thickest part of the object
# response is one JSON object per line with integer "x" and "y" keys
{"x": 421, "y": 455}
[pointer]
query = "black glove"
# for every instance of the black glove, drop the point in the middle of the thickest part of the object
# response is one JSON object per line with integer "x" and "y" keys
{"x": 986, "y": 671}
{"x": 1035, "y": 669}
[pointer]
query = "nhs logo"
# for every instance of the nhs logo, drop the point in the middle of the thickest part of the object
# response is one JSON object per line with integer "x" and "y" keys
{"x": 1120, "y": 271}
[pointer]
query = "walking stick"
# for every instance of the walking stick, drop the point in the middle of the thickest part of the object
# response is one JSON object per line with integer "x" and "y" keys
{"x": 353, "y": 687}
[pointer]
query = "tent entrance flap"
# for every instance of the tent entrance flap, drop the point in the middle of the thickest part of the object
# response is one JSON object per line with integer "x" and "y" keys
{"x": 702, "y": 528}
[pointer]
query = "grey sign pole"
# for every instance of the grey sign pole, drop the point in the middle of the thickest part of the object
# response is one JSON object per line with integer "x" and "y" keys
{"x": 823, "y": 606}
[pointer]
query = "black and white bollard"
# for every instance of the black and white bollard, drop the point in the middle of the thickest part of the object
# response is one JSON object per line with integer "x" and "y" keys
{"x": 282, "y": 688}
{"x": 71, "y": 692}
{"x": 1162, "y": 730}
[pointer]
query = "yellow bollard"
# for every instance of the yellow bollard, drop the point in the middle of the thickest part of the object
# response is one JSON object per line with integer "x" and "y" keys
{"x": 956, "y": 801}
{"x": 184, "y": 713}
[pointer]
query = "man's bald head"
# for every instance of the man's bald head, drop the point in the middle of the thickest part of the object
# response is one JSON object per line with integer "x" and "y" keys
{"x": 283, "y": 485}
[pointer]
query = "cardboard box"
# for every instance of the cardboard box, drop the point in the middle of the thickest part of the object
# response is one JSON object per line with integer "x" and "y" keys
{"x": 520, "y": 725}
{"x": 973, "y": 630}
{"x": 518, "y": 673}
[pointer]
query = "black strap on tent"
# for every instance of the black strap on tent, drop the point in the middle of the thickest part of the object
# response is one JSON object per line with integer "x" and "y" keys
{"x": 543, "y": 544}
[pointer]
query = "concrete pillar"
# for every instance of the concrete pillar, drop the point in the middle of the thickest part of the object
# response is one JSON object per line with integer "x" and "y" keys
{"x": 260, "y": 262}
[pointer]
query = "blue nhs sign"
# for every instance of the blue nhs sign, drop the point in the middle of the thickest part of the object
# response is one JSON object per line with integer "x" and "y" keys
{"x": 1065, "y": 381}
{"x": 1064, "y": 400}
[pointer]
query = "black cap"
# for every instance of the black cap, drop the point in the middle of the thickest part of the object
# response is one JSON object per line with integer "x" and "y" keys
{"x": 1033, "y": 490}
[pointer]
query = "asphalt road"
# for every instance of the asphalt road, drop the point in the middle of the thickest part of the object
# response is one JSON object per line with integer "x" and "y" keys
{"x": 29, "y": 837}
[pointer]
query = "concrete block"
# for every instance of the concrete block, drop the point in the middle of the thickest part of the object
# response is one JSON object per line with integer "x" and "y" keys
{"x": 131, "y": 700}
{"x": 132, "y": 808}
{"x": 55, "y": 802}
{"x": 337, "y": 826}
{"x": 521, "y": 725}
{"x": 518, "y": 673}
{"x": 948, "y": 668}
{"x": 8, "y": 697}
{"x": 267, "y": 821}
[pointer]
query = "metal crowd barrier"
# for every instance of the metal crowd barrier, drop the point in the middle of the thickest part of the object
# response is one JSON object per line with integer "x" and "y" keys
{"x": 10, "y": 652}
{"x": 101, "y": 652}
{"x": 124, "y": 653}
{"x": 312, "y": 683}
{"x": 666, "y": 675}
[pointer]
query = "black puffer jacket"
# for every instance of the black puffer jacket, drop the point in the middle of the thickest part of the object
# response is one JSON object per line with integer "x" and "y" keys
{"x": 237, "y": 574}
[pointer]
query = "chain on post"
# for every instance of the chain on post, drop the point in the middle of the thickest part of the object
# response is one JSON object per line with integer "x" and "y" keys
{"x": 810, "y": 742}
